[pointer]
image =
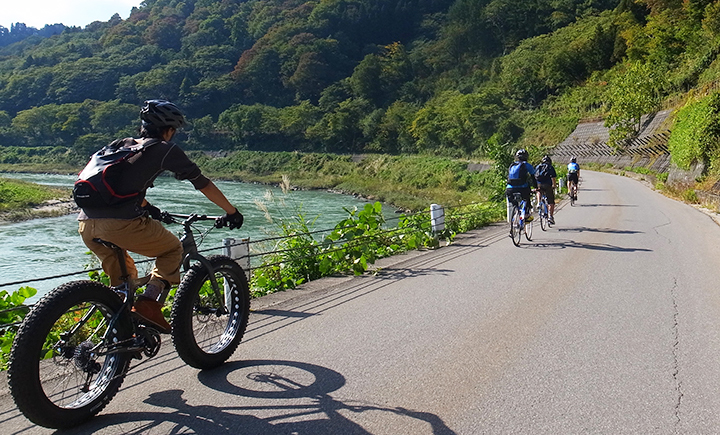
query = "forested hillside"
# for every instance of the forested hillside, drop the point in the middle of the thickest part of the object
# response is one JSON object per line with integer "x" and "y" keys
{"x": 468, "y": 78}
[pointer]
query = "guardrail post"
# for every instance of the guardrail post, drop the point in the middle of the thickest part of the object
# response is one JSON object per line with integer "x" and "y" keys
{"x": 437, "y": 218}
{"x": 239, "y": 250}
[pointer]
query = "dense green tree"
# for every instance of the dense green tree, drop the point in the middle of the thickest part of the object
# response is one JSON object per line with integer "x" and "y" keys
{"x": 455, "y": 123}
{"x": 112, "y": 118}
{"x": 340, "y": 131}
{"x": 631, "y": 94}
{"x": 392, "y": 134}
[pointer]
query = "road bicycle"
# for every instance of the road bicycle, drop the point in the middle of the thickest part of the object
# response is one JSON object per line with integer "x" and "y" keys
{"x": 74, "y": 349}
{"x": 573, "y": 193}
{"x": 518, "y": 221}
{"x": 543, "y": 212}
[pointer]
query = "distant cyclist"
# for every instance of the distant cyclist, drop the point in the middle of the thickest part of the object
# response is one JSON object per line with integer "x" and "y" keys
{"x": 518, "y": 175}
{"x": 573, "y": 177}
{"x": 546, "y": 178}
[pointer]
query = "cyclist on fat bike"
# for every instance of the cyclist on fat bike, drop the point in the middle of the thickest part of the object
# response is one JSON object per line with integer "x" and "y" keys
{"x": 546, "y": 175}
{"x": 573, "y": 176}
{"x": 133, "y": 225}
{"x": 518, "y": 180}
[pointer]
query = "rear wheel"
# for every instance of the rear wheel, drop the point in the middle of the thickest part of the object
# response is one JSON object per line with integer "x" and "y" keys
{"x": 544, "y": 216}
{"x": 206, "y": 329}
{"x": 64, "y": 365}
{"x": 516, "y": 226}
{"x": 528, "y": 230}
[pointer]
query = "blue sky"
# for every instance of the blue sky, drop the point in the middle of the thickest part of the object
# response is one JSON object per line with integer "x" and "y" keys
{"x": 37, "y": 13}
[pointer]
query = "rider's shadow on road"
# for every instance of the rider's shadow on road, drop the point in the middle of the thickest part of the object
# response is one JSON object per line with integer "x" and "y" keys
{"x": 308, "y": 410}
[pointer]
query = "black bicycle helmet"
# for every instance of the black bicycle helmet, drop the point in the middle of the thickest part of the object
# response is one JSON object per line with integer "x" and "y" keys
{"x": 573, "y": 159}
{"x": 522, "y": 155}
{"x": 547, "y": 159}
{"x": 161, "y": 113}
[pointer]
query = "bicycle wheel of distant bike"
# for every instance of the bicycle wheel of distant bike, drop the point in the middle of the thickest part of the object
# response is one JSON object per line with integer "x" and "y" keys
{"x": 516, "y": 226}
{"x": 544, "y": 224}
{"x": 64, "y": 367}
{"x": 528, "y": 230}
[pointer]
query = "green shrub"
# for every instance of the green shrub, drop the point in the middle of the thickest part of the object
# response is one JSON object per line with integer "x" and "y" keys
{"x": 12, "y": 311}
{"x": 695, "y": 132}
{"x": 690, "y": 196}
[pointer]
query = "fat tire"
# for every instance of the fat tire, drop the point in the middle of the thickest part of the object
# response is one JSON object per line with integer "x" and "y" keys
{"x": 515, "y": 230}
{"x": 188, "y": 322}
{"x": 29, "y": 376}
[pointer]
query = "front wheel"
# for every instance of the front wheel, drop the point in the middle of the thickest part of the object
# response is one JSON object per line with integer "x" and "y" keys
{"x": 64, "y": 364}
{"x": 206, "y": 329}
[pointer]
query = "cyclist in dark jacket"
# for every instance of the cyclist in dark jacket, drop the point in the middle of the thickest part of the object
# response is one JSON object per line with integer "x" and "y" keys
{"x": 546, "y": 177}
{"x": 518, "y": 175}
{"x": 133, "y": 225}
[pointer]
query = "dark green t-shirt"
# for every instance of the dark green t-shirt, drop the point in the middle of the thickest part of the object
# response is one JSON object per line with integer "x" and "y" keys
{"x": 155, "y": 159}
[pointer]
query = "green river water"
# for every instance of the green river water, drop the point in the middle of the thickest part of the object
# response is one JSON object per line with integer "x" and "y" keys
{"x": 45, "y": 247}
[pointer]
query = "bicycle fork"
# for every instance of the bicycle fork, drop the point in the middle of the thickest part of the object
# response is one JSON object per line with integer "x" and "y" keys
{"x": 190, "y": 250}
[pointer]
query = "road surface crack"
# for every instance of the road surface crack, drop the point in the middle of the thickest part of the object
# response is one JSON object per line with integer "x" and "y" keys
{"x": 675, "y": 352}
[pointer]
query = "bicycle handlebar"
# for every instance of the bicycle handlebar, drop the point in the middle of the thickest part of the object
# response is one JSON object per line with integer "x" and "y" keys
{"x": 186, "y": 219}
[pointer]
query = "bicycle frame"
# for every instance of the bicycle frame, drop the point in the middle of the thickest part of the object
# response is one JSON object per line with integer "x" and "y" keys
{"x": 129, "y": 286}
{"x": 521, "y": 204}
{"x": 190, "y": 252}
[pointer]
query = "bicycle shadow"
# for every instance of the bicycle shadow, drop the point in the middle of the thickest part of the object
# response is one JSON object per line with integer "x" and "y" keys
{"x": 309, "y": 408}
{"x": 580, "y": 204}
{"x": 596, "y": 230}
{"x": 571, "y": 244}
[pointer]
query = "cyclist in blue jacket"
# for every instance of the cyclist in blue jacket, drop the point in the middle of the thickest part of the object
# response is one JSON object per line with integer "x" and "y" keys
{"x": 518, "y": 175}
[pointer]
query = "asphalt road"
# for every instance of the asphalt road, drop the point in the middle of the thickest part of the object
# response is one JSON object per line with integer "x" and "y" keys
{"x": 608, "y": 323}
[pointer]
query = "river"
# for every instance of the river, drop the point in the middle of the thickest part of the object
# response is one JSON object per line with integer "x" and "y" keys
{"x": 45, "y": 247}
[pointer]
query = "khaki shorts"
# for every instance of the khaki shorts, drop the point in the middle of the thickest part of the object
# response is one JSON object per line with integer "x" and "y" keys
{"x": 144, "y": 236}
